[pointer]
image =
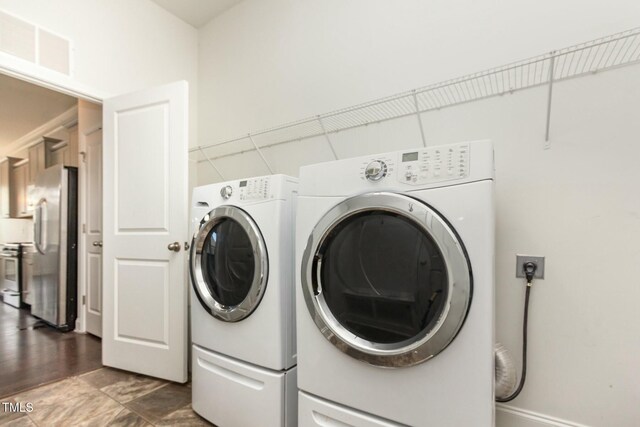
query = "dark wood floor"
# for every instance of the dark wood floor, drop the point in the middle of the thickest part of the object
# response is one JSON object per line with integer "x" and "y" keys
{"x": 32, "y": 354}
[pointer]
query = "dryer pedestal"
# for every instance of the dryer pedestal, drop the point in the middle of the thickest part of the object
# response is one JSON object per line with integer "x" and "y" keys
{"x": 231, "y": 393}
{"x": 316, "y": 412}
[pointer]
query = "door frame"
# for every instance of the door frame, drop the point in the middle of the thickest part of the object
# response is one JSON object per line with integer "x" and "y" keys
{"x": 83, "y": 257}
{"x": 30, "y": 73}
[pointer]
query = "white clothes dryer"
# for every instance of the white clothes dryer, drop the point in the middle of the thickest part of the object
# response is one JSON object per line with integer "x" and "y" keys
{"x": 242, "y": 302}
{"x": 395, "y": 270}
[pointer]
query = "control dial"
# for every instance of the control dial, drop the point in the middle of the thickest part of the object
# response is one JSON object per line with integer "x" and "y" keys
{"x": 226, "y": 192}
{"x": 376, "y": 170}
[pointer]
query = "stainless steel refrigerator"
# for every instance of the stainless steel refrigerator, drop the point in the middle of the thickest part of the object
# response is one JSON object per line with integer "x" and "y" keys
{"x": 55, "y": 235}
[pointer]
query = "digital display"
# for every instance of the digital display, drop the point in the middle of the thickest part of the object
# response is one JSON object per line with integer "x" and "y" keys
{"x": 410, "y": 157}
{"x": 243, "y": 183}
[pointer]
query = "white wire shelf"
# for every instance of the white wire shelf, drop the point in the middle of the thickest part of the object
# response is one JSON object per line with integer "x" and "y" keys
{"x": 586, "y": 58}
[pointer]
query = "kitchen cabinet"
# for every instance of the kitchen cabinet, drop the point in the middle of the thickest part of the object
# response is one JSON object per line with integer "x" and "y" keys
{"x": 51, "y": 151}
{"x": 17, "y": 176}
{"x": 57, "y": 156}
{"x": 18, "y": 179}
{"x": 71, "y": 158}
{"x": 37, "y": 155}
{"x": 59, "y": 152}
{"x": 4, "y": 189}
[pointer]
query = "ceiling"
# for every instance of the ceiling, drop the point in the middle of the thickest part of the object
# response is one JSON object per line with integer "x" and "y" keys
{"x": 25, "y": 107}
{"x": 196, "y": 12}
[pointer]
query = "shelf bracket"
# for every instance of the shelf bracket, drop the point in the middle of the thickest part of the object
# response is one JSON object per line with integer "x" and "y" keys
{"x": 326, "y": 135}
{"x": 211, "y": 163}
{"x": 260, "y": 153}
{"x": 552, "y": 63}
{"x": 415, "y": 102}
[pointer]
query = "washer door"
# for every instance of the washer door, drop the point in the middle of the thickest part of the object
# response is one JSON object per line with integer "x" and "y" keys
{"x": 386, "y": 279}
{"x": 229, "y": 264}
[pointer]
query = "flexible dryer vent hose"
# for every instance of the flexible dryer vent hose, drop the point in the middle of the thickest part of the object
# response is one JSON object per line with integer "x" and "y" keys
{"x": 505, "y": 380}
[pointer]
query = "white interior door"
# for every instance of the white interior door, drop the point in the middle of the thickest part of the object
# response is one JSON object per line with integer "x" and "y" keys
{"x": 93, "y": 230}
{"x": 145, "y": 217}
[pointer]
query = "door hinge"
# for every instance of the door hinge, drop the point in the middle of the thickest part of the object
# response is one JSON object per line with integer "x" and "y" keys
{"x": 83, "y": 154}
{"x": 84, "y": 300}
{"x": 84, "y": 228}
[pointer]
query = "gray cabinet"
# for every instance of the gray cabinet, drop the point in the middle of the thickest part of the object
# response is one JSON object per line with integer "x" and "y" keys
{"x": 71, "y": 158}
{"x": 58, "y": 156}
{"x": 62, "y": 152}
{"x": 19, "y": 179}
{"x": 17, "y": 176}
{"x": 5, "y": 211}
{"x": 37, "y": 155}
{"x": 44, "y": 153}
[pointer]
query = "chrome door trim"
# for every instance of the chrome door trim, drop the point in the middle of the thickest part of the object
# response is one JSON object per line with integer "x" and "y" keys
{"x": 259, "y": 284}
{"x": 429, "y": 342}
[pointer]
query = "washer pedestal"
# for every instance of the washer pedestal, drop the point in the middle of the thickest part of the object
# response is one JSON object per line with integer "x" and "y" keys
{"x": 230, "y": 393}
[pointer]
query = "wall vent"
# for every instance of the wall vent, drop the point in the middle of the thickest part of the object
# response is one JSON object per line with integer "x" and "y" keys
{"x": 17, "y": 37}
{"x": 27, "y": 41}
{"x": 53, "y": 52}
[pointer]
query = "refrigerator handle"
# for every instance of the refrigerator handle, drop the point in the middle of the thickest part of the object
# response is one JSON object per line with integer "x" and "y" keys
{"x": 43, "y": 225}
{"x": 36, "y": 224}
{"x": 39, "y": 226}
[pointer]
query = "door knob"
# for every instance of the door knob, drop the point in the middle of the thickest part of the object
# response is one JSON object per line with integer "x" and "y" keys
{"x": 175, "y": 246}
{"x": 97, "y": 243}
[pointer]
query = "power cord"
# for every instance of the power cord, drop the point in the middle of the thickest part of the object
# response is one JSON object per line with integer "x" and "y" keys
{"x": 529, "y": 271}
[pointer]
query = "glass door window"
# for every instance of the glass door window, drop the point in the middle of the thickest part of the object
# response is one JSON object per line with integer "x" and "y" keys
{"x": 386, "y": 279}
{"x": 229, "y": 264}
{"x": 11, "y": 274}
{"x": 383, "y": 278}
{"x": 10, "y": 268}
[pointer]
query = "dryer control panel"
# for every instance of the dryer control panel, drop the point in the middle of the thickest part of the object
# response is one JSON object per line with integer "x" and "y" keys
{"x": 254, "y": 189}
{"x": 436, "y": 164}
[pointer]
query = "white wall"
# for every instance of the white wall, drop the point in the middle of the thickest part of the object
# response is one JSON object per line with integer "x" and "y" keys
{"x": 265, "y": 62}
{"x": 118, "y": 46}
{"x": 15, "y": 230}
{"x": 270, "y": 61}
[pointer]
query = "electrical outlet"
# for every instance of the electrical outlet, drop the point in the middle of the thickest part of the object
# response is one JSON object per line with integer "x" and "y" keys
{"x": 537, "y": 260}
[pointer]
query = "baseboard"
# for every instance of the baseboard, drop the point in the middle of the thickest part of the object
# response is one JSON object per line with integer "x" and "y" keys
{"x": 509, "y": 416}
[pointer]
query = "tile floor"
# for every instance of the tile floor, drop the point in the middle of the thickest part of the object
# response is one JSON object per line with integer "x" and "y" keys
{"x": 105, "y": 397}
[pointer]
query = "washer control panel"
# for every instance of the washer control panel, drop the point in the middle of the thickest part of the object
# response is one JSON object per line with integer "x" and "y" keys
{"x": 431, "y": 165}
{"x": 254, "y": 189}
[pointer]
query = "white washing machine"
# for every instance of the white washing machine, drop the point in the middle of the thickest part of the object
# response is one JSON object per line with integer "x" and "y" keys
{"x": 395, "y": 270}
{"x": 242, "y": 302}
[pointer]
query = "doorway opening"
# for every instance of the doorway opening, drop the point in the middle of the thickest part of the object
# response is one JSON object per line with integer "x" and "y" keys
{"x": 50, "y": 268}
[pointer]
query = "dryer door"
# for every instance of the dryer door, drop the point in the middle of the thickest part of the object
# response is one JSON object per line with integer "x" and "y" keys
{"x": 386, "y": 279}
{"x": 229, "y": 264}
